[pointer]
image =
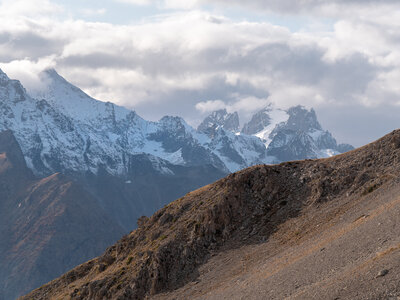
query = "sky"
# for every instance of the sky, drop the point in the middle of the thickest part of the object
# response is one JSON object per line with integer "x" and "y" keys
{"x": 190, "y": 57}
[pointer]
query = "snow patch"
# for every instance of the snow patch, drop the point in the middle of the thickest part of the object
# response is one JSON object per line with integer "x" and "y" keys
{"x": 175, "y": 158}
{"x": 277, "y": 117}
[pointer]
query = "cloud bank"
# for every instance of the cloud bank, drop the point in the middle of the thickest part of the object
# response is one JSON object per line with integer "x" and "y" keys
{"x": 191, "y": 62}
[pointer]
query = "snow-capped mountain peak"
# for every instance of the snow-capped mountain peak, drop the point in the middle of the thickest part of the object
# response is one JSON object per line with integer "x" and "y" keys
{"x": 264, "y": 122}
{"x": 62, "y": 129}
{"x": 74, "y": 102}
{"x": 286, "y": 135}
{"x": 220, "y": 119}
{"x": 303, "y": 119}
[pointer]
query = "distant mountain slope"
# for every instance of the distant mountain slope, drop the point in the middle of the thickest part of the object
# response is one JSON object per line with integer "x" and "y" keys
{"x": 150, "y": 184}
{"x": 103, "y": 145}
{"x": 305, "y": 218}
{"x": 47, "y": 226}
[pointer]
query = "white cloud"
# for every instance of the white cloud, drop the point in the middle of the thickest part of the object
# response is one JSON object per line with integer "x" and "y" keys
{"x": 210, "y": 106}
{"x": 304, "y": 7}
{"x": 167, "y": 4}
{"x": 175, "y": 63}
{"x": 247, "y": 106}
{"x": 93, "y": 12}
{"x": 31, "y": 8}
{"x": 181, "y": 4}
{"x": 28, "y": 71}
{"x": 136, "y": 2}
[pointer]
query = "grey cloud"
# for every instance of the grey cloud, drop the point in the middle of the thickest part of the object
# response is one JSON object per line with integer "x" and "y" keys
{"x": 357, "y": 124}
{"x": 259, "y": 61}
{"x": 28, "y": 44}
{"x": 301, "y": 65}
{"x": 348, "y": 76}
{"x": 182, "y": 101}
{"x": 97, "y": 60}
{"x": 151, "y": 63}
{"x": 293, "y": 7}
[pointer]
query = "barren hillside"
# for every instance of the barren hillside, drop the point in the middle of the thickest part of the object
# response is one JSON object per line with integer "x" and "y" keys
{"x": 315, "y": 229}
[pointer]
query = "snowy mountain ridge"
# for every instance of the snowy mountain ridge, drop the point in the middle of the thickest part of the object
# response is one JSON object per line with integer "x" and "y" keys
{"x": 62, "y": 129}
{"x": 75, "y": 103}
{"x": 286, "y": 134}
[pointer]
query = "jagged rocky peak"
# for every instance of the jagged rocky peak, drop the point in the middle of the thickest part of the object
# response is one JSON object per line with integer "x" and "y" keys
{"x": 3, "y": 76}
{"x": 296, "y": 118}
{"x": 11, "y": 90}
{"x": 300, "y": 118}
{"x": 220, "y": 119}
{"x": 302, "y": 136}
{"x": 174, "y": 124}
{"x": 258, "y": 122}
{"x": 264, "y": 121}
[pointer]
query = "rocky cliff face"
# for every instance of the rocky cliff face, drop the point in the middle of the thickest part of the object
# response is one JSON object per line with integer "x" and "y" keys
{"x": 301, "y": 136}
{"x": 246, "y": 208}
{"x": 261, "y": 120}
{"x": 47, "y": 225}
{"x": 220, "y": 119}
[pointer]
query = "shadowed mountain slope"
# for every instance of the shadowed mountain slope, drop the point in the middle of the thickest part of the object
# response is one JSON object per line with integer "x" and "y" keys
{"x": 304, "y": 219}
{"x": 46, "y": 226}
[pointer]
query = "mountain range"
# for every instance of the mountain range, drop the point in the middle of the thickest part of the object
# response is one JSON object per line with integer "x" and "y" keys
{"x": 63, "y": 129}
{"x": 80, "y": 156}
